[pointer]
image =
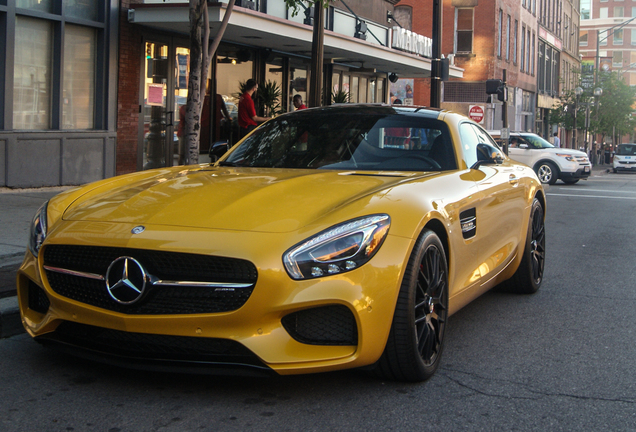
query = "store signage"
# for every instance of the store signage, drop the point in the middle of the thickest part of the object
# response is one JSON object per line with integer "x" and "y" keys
{"x": 406, "y": 40}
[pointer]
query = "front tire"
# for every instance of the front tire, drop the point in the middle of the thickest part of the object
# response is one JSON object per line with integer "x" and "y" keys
{"x": 416, "y": 340}
{"x": 528, "y": 277}
{"x": 570, "y": 182}
{"x": 547, "y": 173}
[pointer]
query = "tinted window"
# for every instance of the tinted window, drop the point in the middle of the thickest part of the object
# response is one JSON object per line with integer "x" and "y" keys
{"x": 337, "y": 139}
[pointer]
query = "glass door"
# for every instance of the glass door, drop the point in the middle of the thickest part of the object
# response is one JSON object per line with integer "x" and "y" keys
{"x": 155, "y": 114}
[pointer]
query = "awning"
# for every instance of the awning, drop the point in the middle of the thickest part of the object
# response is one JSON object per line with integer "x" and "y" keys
{"x": 257, "y": 29}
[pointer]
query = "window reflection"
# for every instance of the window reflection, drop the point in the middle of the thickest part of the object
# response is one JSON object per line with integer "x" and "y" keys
{"x": 78, "y": 92}
{"x": 32, "y": 74}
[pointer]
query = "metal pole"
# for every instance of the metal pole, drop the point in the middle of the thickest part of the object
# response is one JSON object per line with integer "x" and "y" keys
{"x": 317, "y": 54}
{"x": 574, "y": 135}
{"x": 436, "y": 79}
{"x": 504, "y": 108}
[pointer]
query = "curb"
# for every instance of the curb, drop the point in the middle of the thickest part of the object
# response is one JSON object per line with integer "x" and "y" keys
{"x": 10, "y": 323}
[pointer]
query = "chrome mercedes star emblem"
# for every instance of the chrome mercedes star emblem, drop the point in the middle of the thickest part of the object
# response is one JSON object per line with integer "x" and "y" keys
{"x": 138, "y": 229}
{"x": 126, "y": 280}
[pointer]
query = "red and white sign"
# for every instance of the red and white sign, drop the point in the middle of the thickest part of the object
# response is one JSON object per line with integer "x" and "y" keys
{"x": 476, "y": 113}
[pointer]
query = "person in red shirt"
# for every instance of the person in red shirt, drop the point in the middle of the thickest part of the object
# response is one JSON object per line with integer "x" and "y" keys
{"x": 247, "y": 118}
{"x": 298, "y": 103}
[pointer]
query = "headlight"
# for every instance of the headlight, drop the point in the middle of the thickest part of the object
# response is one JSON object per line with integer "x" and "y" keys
{"x": 339, "y": 249}
{"x": 38, "y": 230}
{"x": 566, "y": 156}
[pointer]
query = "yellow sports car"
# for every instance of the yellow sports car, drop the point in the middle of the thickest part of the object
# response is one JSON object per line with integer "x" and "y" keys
{"x": 329, "y": 238}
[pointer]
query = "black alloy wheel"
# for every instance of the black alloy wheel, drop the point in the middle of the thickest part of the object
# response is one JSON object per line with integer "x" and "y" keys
{"x": 431, "y": 306}
{"x": 529, "y": 275}
{"x": 537, "y": 243}
{"x": 416, "y": 340}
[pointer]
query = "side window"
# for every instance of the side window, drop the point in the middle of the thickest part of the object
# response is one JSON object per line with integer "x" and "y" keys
{"x": 469, "y": 143}
{"x": 485, "y": 138}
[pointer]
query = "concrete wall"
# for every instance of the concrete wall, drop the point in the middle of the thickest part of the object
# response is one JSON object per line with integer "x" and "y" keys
{"x": 56, "y": 158}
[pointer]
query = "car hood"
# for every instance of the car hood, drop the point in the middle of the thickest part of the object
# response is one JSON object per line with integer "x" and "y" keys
{"x": 246, "y": 199}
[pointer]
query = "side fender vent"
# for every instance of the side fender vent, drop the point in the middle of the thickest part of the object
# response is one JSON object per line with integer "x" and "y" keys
{"x": 468, "y": 221}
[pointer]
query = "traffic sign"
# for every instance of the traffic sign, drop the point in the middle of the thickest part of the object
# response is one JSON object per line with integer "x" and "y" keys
{"x": 476, "y": 113}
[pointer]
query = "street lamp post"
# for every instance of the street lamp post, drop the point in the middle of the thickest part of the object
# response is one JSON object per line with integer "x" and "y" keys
{"x": 597, "y": 95}
{"x": 578, "y": 92}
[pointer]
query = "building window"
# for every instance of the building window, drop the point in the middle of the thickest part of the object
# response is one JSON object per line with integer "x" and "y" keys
{"x": 583, "y": 38}
{"x": 533, "y": 54}
{"x": 528, "y": 53}
{"x": 514, "y": 45}
{"x": 618, "y": 11}
{"x": 508, "y": 38}
{"x": 464, "y": 35}
{"x": 499, "y": 33}
{"x": 523, "y": 48}
{"x": 633, "y": 37}
{"x": 59, "y": 67}
{"x": 617, "y": 59}
{"x": 38, "y": 5}
{"x": 617, "y": 37}
{"x": 32, "y": 73}
{"x": 603, "y": 12}
{"x": 78, "y": 90}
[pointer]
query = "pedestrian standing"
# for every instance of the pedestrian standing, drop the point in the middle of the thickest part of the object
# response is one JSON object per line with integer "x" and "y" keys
{"x": 247, "y": 118}
{"x": 557, "y": 140}
{"x": 298, "y": 102}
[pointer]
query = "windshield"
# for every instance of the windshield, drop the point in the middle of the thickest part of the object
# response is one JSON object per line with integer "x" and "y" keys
{"x": 535, "y": 141}
{"x": 380, "y": 139}
{"x": 626, "y": 150}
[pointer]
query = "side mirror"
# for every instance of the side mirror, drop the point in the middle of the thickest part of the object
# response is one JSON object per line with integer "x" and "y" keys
{"x": 487, "y": 155}
{"x": 218, "y": 149}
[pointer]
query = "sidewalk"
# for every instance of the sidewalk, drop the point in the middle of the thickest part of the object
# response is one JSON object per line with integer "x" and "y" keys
{"x": 18, "y": 206}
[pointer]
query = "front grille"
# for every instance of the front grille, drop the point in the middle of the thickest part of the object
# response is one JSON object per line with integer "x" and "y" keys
{"x": 160, "y": 300}
{"x": 328, "y": 325}
{"x": 154, "y": 346}
{"x": 38, "y": 301}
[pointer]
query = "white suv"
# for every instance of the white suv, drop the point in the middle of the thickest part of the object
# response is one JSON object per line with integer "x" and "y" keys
{"x": 549, "y": 162}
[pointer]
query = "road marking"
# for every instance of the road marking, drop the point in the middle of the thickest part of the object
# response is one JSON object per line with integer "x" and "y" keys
{"x": 569, "y": 189}
{"x": 592, "y": 196}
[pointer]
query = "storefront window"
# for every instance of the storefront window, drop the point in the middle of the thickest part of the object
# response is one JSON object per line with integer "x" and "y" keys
{"x": 81, "y": 9}
{"x": 32, "y": 74}
{"x": 272, "y": 88}
{"x": 298, "y": 84}
{"x": 372, "y": 89}
{"x": 363, "y": 90}
{"x": 40, "y": 5}
{"x": 354, "y": 90}
{"x": 78, "y": 92}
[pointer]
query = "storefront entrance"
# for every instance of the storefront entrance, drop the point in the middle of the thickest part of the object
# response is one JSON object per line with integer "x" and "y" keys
{"x": 163, "y": 93}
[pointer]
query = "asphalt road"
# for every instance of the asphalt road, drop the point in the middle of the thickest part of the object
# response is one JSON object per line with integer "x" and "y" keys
{"x": 560, "y": 360}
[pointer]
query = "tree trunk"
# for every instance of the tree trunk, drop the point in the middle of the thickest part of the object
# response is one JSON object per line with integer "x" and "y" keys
{"x": 201, "y": 52}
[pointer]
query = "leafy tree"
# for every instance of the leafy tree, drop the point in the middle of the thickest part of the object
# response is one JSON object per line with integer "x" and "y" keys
{"x": 613, "y": 116}
{"x": 201, "y": 53}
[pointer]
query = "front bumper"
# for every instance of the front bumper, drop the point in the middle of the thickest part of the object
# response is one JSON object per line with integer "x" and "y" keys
{"x": 581, "y": 173}
{"x": 257, "y": 335}
{"x": 624, "y": 166}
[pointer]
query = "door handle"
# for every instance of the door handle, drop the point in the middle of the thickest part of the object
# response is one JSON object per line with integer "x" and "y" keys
{"x": 171, "y": 114}
{"x": 513, "y": 180}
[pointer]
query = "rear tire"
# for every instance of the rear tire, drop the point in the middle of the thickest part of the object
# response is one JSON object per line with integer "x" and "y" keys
{"x": 416, "y": 340}
{"x": 570, "y": 182}
{"x": 528, "y": 277}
